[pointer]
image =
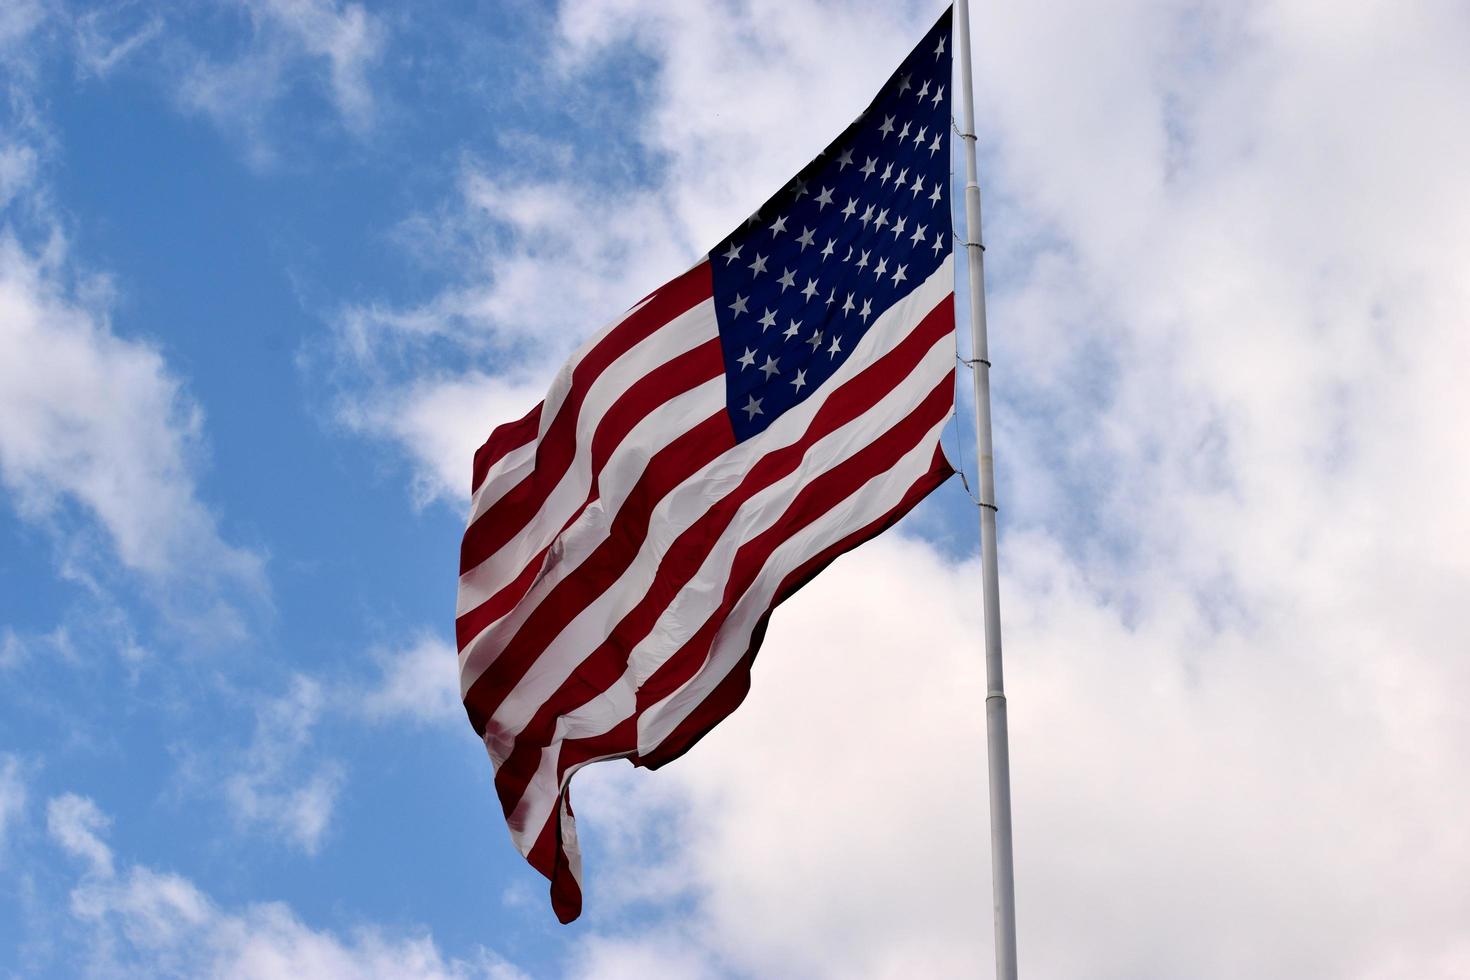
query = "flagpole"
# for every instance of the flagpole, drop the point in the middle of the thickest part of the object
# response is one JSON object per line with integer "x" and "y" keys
{"x": 997, "y": 743}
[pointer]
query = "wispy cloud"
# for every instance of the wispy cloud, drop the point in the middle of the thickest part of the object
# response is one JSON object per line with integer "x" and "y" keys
{"x": 77, "y": 825}
{"x": 280, "y": 784}
{"x": 95, "y": 421}
{"x": 333, "y": 44}
{"x": 105, "y": 38}
{"x": 13, "y": 796}
{"x": 419, "y": 683}
{"x": 146, "y": 921}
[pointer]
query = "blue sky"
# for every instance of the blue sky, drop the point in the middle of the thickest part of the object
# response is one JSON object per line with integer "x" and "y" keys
{"x": 269, "y": 269}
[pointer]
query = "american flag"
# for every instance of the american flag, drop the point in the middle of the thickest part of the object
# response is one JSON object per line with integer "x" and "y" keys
{"x": 699, "y": 460}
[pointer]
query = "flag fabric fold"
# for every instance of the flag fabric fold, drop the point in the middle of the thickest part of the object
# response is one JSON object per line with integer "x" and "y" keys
{"x": 704, "y": 456}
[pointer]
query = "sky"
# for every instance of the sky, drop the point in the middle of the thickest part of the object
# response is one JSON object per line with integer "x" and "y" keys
{"x": 270, "y": 269}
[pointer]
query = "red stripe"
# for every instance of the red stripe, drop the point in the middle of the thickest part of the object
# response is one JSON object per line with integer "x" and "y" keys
{"x": 815, "y": 499}
{"x": 684, "y": 373}
{"x": 669, "y": 467}
{"x": 510, "y": 515}
{"x": 506, "y": 437}
{"x": 548, "y": 855}
{"x": 556, "y": 449}
{"x": 607, "y": 664}
{"x": 468, "y": 626}
{"x": 726, "y": 696}
{"x": 683, "y": 558}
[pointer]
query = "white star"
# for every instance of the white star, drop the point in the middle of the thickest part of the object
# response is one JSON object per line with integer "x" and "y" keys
{"x": 799, "y": 186}
{"x": 898, "y": 275}
{"x": 810, "y": 290}
{"x": 844, "y": 161}
{"x": 815, "y": 340}
{"x": 898, "y": 227}
{"x": 939, "y": 50}
{"x": 739, "y": 305}
{"x": 767, "y": 321}
{"x": 733, "y": 254}
{"x": 938, "y": 242}
{"x": 917, "y": 185}
{"x": 903, "y": 134}
{"x": 935, "y": 197}
{"x": 805, "y": 238}
{"x": 934, "y": 145}
{"x": 847, "y": 306}
{"x": 778, "y": 226}
{"x": 851, "y": 208}
{"x": 827, "y": 249}
{"x": 887, "y": 172}
{"x": 836, "y": 347}
{"x": 869, "y": 167}
{"x": 792, "y": 330}
{"x": 824, "y": 198}
{"x": 759, "y": 265}
{"x": 880, "y": 268}
{"x": 919, "y": 137}
{"x": 923, "y": 92}
{"x": 788, "y": 278}
{"x": 863, "y": 262}
{"x": 882, "y": 219}
{"x": 799, "y": 380}
{"x": 867, "y": 310}
{"x": 867, "y": 216}
{"x": 769, "y": 368}
{"x": 832, "y": 297}
{"x": 753, "y": 220}
{"x": 918, "y": 235}
{"x": 905, "y": 83}
{"x": 887, "y": 126}
{"x": 747, "y": 359}
{"x": 939, "y": 95}
{"x": 753, "y": 408}
{"x": 848, "y": 256}
{"x": 902, "y": 178}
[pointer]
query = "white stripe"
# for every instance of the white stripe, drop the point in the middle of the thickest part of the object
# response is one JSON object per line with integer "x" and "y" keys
{"x": 561, "y": 385}
{"x": 682, "y": 334}
{"x": 529, "y": 817}
{"x": 682, "y": 507}
{"x": 508, "y": 470}
{"x": 632, "y": 454}
{"x": 704, "y": 593}
{"x": 879, "y": 496}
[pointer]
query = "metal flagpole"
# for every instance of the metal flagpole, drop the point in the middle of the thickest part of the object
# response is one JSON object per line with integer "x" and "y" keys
{"x": 997, "y": 743}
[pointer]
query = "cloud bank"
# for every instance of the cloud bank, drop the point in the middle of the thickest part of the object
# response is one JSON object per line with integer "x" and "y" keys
{"x": 1227, "y": 310}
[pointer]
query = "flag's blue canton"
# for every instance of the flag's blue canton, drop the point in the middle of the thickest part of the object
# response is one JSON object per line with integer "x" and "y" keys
{"x": 797, "y": 286}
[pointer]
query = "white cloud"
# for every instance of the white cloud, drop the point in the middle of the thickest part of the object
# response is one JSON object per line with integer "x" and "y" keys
{"x": 107, "y": 37}
{"x": 18, "y": 19}
{"x": 12, "y": 796}
{"x": 278, "y": 785}
{"x": 144, "y": 921}
{"x": 93, "y": 420}
{"x": 1227, "y": 253}
{"x": 420, "y": 684}
{"x": 337, "y": 43}
{"x": 343, "y": 35}
{"x": 77, "y": 825}
{"x": 17, "y": 171}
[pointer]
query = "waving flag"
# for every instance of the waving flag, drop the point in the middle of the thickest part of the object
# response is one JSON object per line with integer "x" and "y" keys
{"x": 700, "y": 459}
